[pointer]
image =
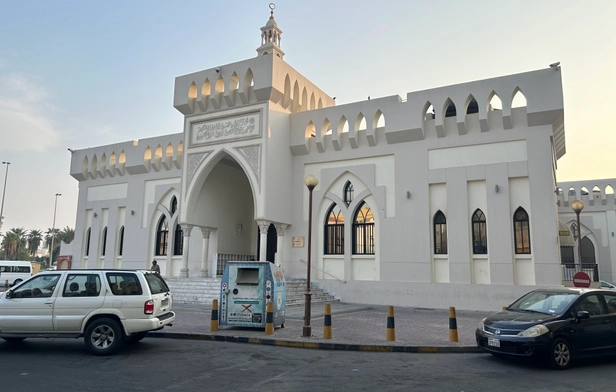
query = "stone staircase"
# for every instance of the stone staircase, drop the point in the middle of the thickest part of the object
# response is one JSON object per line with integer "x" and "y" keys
{"x": 203, "y": 290}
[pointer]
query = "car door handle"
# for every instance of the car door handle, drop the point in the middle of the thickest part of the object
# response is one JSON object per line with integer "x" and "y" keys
{"x": 49, "y": 303}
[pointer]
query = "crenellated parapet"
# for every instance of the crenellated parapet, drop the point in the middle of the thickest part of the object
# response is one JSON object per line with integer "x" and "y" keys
{"x": 593, "y": 193}
{"x": 157, "y": 154}
{"x": 481, "y": 106}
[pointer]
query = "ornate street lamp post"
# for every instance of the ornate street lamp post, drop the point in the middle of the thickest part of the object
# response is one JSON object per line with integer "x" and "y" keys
{"x": 311, "y": 182}
{"x": 3, "y": 192}
{"x": 53, "y": 230}
{"x": 578, "y": 206}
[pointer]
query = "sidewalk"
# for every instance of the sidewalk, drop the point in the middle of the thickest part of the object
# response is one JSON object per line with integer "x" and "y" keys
{"x": 354, "y": 327}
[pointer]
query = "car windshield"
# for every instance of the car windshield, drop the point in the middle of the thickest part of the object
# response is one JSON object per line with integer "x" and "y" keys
{"x": 544, "y": 302}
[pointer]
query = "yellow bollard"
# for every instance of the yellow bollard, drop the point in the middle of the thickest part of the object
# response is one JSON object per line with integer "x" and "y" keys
{"x": 6, "y": 283}
{"x": 505, "y": 307}
{"x": 214, "y": 322}
{"x": 391, "y": 326}
{"x": 269, "y": 319}
{"x": 327, "y": 328}
{"x": 453, "y": 325}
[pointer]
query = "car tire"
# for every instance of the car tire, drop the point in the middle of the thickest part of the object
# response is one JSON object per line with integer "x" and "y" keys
{"x": 14, "y": 340}
{"x": 103, "y": 336}
{"x": 16, "y": 282}
{"x": 561, "y": 354}
{"x": 136, "y": 337}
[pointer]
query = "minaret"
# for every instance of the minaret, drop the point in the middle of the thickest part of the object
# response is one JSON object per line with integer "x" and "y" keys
{"x": 270, "y": 36}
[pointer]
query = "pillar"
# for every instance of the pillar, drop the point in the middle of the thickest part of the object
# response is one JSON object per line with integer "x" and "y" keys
{"x": 205, "y": 250}
{"x": 280, "y": 229}
{"x": 186, "y": 229}
{"x": 263, "y": 227}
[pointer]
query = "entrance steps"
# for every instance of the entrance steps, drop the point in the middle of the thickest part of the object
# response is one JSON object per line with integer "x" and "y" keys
{"x": 203, "y": 290}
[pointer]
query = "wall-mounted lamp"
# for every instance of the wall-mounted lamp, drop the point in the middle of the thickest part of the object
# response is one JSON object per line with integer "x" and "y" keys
{"x": 95, "y": 214}
{"x": 132, "y": 212}
{"x": 408, "y": 194}
{"x": 496, "y": 188}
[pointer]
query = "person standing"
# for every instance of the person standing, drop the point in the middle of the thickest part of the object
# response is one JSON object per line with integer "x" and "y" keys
{"x": 155, "y": 267}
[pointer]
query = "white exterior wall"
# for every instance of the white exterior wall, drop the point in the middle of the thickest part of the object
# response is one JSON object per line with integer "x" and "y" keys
{"x": 246, "y": 149}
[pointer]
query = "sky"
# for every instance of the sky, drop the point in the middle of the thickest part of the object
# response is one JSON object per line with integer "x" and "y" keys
{"x": 78, "y": 74}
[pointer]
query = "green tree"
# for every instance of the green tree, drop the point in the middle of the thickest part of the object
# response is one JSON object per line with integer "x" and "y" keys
{"x": 67, "y": 235}
{"x": 13, "y": 242}
{"x": 35, "y": 237}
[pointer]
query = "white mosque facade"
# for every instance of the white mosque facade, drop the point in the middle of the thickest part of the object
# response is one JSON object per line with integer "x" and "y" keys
{"x": 445, "y": 197}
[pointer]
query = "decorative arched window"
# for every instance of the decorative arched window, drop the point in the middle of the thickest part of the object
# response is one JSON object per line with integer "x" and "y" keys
{"x": 174, "y": 205}
{"x": 348, "y": 193}
{"x": 588, "y": 251}
{"x": 121, "y": 241}
{"x": 440, "y": 234}
{"x": 88, "y": 241}
{"x": 480, "y": 238}
{"x": 334, "y": 231}
{"x": 178, "y": 240}
{"x": 363, "y": 231}
{"x": 162, "y": 237}
{"x": 521, "y": 231}
{"x": 104, "y": 241}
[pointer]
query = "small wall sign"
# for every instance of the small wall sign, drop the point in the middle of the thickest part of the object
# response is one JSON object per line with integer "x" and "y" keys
{"x": 298, "y": 242}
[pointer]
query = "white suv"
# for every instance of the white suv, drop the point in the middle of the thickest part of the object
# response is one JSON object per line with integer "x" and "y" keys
{"x": 106, "y": 307}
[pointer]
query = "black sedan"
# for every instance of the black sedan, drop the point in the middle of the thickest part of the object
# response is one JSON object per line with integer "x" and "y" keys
{"x": 558, "y": 325}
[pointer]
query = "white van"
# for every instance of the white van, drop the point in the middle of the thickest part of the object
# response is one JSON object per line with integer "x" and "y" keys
{"x": 14, "y": 271}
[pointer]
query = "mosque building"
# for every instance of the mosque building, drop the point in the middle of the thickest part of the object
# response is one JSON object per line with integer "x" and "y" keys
{"x": 443, "y": 195}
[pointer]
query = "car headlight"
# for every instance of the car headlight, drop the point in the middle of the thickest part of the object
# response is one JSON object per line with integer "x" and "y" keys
{"x": 534, "y": 331}
{"x": 480, "y": 325}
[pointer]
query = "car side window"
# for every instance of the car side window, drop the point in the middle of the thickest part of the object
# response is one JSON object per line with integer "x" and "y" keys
{"x": 41, "y": 286}
{"x": 610, "y": 300}
{"x": 82, "y": 285}
{"x": 590, "y": 304}
{"x": 124, "y": 283}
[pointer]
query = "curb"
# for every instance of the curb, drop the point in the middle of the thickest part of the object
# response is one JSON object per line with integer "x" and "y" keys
{"x": 321, "y": 345}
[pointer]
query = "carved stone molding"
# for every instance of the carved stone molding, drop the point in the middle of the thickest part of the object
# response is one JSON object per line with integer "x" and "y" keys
{"x": 206, "y": 231}
{"x": 186, "y": 229}
{"x": 222, "y": 130}
{"x": 280, "y": 228}
{"x": 194, "y": 160}
{"x": 263, "y": 226}
{"x": 253, "y": 156}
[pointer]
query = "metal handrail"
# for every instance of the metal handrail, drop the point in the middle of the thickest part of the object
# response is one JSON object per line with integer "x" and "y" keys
{"x": 325, "y": 272}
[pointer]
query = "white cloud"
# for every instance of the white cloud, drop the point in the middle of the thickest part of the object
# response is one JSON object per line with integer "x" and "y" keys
{"x": 24, "y": 121}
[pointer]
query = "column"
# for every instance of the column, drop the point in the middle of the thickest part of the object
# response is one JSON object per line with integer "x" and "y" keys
{"x": 186, "y": 229}
{"x": 204, "y": 251}
{"x": 280, "y": 229}
{"x": 263, "y": 227}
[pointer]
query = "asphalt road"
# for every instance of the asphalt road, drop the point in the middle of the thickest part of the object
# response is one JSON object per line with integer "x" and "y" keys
{"x": 155, "y": 364}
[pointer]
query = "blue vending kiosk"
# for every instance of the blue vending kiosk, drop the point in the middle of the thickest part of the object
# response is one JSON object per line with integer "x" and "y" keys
{"x": 245, "y": 290}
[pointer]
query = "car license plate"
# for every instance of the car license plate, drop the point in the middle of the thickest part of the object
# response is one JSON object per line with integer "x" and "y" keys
{"x": 164, "y": 302}
{"x": 493, "y": 342}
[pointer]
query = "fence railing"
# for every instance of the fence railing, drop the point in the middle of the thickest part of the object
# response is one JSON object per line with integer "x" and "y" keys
{"x": 223, "y": 258}
{"x": 568, "y": 270}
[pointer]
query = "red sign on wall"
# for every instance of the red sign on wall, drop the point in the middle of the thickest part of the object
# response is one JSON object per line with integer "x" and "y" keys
{"x": 581, "y": 279}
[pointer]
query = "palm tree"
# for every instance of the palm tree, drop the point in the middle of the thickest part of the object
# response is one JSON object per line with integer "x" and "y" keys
{"x": 10, "y": 244}
{"x": 48, "y": 234}
{"x": 67, "y": 235}
{"x": 35, "y": 237}
{"x": 21, "y": 239}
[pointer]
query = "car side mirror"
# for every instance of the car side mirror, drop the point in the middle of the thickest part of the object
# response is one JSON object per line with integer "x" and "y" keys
{"x": 582, "y": 314}
{"x": 9, "y": 294}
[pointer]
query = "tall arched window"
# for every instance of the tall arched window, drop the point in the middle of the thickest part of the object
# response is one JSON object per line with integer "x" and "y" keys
{"x": 521, "y": 231}
{"x": 88, "y": 241}
{"x": 363, "y": 231}
{"x": 162, "y": 237}
{"x": 334, "y": 231}
{"x": 348, "y": 193}
{"x": 480, "y": 238}
{"x": 174, "y": 205}
{"x": 588, "y": 251}
{"x": 121, "y": 241}
{"x": 178, "y": 240}
{"x": 440, "y": 234}
{"x": 104, "y": 241}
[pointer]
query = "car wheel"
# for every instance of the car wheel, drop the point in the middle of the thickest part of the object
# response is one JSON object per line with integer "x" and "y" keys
{"x": 136, "y": 337}
{"x": 14, "y": 340}
{"x": 561, "y": 354}
{"x": 103, "y": 336}
{"x": 16, "y": 282}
